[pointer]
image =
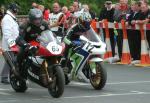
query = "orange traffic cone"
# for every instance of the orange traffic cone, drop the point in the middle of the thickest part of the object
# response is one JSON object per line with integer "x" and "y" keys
{"x": 126, "y": 57}
{"x": 108, "y": 53}
{"x": 145, "y": 58}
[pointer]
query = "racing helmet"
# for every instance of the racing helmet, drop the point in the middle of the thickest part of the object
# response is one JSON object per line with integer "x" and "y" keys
{"x": 85, "y": 20}
{"x": 35, "y": 16}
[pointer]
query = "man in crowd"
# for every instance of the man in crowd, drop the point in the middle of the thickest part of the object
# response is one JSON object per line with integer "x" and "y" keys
{"x": 67, "y": 15}
{"x": 145, "y": 18}
{"x": 76, "y": 7}
{"x": 107, "y": 13}
{"x": 56, "y": 20}
{"x": 118, "y": 16}
{"x": 10, "y": 31}
{"x": 134, "y": 36}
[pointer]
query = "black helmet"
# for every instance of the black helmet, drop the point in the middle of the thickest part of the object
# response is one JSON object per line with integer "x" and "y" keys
{"x": 35, "y": 16}
{"x": 13, "y": 7}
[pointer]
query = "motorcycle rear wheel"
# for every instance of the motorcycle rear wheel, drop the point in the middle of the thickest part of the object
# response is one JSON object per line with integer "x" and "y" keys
{"x": 98, "y": 80}
{"x": 56, "y": 88}
{"x": 19, "y": 85}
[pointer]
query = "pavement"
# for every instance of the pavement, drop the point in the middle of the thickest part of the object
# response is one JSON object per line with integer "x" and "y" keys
{"x": 125, "y": 84}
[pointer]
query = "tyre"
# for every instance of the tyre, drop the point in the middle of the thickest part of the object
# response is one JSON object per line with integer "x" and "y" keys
{"x": 56, "y": 88}
{"x": 98, "y": 80}
{"x": 19, "y": 85}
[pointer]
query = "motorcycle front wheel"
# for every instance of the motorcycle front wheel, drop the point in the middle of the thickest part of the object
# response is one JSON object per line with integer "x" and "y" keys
{"x": 56, "y": 88}
{"x": 98, "y": 80}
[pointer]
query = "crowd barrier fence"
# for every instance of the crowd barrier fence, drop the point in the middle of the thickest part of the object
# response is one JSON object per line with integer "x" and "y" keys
{"x": 126, "y": 56}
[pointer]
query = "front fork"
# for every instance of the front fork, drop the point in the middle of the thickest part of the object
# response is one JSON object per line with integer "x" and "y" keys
{"x": 46, "y": 79}
{"x": 48, "y": 71}
{"x": 92, "y": 63}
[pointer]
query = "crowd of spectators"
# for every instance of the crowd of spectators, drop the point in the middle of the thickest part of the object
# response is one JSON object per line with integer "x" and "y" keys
{"x": 135, "y": 12}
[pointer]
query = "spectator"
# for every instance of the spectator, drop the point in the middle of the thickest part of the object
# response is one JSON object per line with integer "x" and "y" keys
{"x": 56, "y": 20}
{"x": 41, "y": 7}
{"x": 134, "y": 36}
{"x": 10, "y": 31}
{"x": 144, "y": 1}
{"x": 67, "y": 14}
{"x": 86, "y": 7}
{"x": 71, "y": 9}
{"x": 46, "y": 14}
{"x": 120, "y": 14}
{"x": 92, "y": 13}
{"x": 107, "y": 13}
{"x": 145, "y": 18}
{"x": 76, "y": 6}
{"x": 34, "y": 5}
{"x": 121, "y": 11}
{"x": 2, "y": 12}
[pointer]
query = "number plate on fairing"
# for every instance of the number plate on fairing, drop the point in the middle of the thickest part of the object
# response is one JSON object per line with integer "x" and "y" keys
{"x": 54, "y": 48}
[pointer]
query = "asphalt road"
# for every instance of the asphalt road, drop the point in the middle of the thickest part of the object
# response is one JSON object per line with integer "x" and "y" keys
{"x": 125, "y": 84}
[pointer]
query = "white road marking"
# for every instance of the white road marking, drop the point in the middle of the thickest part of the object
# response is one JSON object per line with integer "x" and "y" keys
{"x": 1, "y": 89}
{"x": 134, "y": 82}
{"x": 7, "y": 101}
{"x": 3, "y": 93}
{"x": 107, "y": 95}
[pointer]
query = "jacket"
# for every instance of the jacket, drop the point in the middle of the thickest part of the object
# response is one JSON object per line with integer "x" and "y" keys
{"x": 10, "y": 30}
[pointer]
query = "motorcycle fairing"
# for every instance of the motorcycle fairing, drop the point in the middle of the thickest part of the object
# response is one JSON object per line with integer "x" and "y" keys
{"x": 78, "y": 60}
{"x": 34, "y": 73}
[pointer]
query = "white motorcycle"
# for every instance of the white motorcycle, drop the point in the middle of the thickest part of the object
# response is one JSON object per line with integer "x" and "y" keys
{"x": 85, "y": 62}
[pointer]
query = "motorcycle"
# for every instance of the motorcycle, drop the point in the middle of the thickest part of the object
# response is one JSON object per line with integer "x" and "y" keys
{"x": 84, "y": 62}
{"x": 42, "y": 68}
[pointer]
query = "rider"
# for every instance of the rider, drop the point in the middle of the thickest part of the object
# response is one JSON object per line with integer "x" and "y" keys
{"x": 28, "y": 32}
{"x": 81, "y": 26}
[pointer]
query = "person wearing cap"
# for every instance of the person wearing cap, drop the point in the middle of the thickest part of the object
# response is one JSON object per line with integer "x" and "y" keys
{"x": 107, "y": 13}
{"x": 10, "y": 31}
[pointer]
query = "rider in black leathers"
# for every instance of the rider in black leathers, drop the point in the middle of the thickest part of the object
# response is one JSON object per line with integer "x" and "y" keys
{"x": 28, "y": 32}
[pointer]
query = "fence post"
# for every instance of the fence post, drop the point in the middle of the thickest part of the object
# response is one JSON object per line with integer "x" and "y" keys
{"x": 126, "y": 57}
{"x": 145, "y": 58}
{"x": 108, "y": 53}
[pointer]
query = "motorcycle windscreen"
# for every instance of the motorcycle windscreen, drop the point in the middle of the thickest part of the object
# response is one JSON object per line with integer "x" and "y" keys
{"x": 51, "y": 45}
{"x": 46, "y": 37}
{"x": 91, "y": 35}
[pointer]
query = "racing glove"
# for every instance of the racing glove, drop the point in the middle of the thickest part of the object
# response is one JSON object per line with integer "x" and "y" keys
{"x": 31, "y": 50}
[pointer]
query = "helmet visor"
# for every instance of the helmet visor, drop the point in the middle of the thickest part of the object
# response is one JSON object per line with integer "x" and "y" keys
{"x": 37, "y": 21}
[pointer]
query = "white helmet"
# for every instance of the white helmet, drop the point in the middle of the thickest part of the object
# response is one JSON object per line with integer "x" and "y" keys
{"x": 84, "y": 18}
